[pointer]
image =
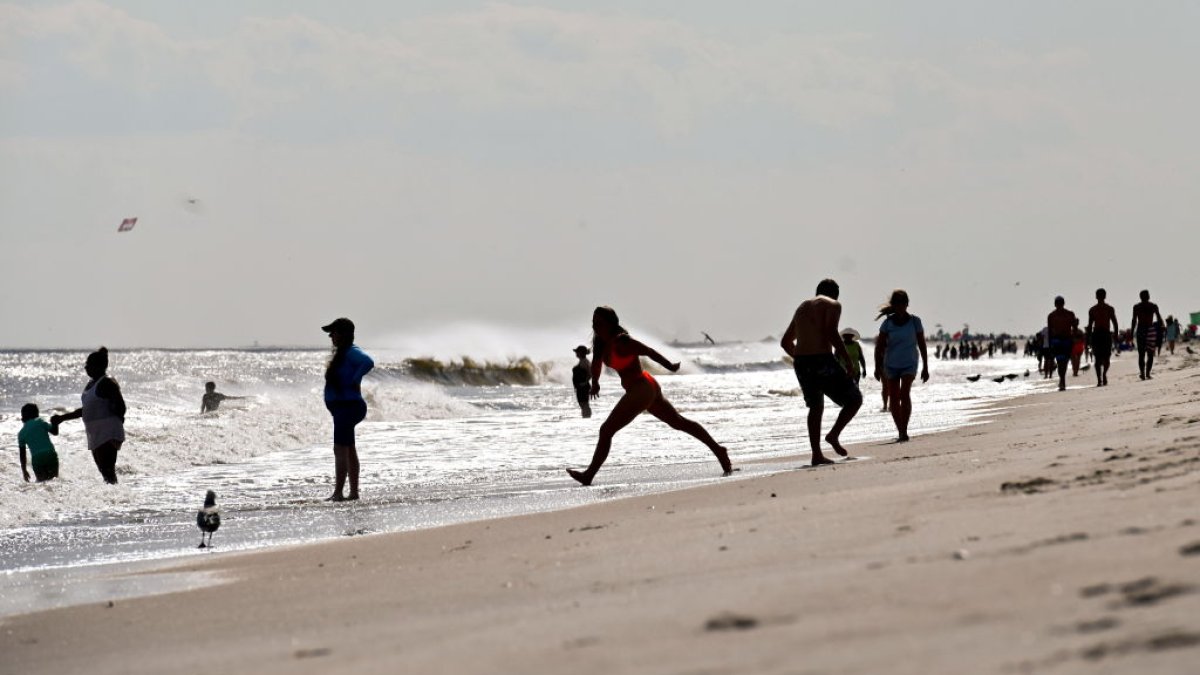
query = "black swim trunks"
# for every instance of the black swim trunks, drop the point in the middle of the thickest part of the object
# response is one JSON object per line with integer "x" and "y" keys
{"x": 820, "y": 375}
{"x": 1102, "y": 344}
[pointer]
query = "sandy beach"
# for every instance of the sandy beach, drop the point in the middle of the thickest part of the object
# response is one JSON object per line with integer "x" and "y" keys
{"x": 1061, "y": 536}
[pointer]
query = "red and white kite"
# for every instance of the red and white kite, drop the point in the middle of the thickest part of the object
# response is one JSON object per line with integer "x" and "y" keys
{"x": 127, "y": 224}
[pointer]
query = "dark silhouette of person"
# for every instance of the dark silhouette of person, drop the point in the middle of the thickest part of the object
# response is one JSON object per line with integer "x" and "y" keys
{"x": 343, "y": 399}
{"x": 613, "y": 346}
{"x": 212, "y": 398}
{"x": 1060, "y": 325}
{"x": 900, "y": 342}
{"x": 581, "y": 380}
{"x": 103, "y": 414}
{"x": 1101, "y": 317}
{"x": 1145, "y": 325}
{"x": 35, "y": 436}
{"x": 812, "y": 340}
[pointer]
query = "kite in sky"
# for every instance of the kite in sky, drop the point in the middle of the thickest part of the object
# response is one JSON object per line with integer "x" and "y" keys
{"x": 127, "y": 224}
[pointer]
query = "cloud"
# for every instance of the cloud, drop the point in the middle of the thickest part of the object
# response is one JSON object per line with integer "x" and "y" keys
{"x": 499, "y": 58}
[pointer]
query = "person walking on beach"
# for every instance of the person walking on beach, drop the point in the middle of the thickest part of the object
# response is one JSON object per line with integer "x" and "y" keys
{"x": 1100, "y": 317}
{"x": 35, "y": 435}
{"x": 1059, "y": 325}
{"x": 103, "y": 414}
{"x": 1146, "y": 320}
{"x": 809, "y": 339}
{"x": 1172, "y": 333}
{"x": 901, "y": 340}
{"x": 343, "y": 399}
{"x": 581, "y": 379}
{"x": 612, "y": 346}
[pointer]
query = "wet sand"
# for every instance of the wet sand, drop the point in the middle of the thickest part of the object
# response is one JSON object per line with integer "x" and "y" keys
{"x": 1063, "y": 536}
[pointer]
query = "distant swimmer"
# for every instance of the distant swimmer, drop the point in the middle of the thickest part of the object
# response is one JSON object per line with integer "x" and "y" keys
{"x": 212, "y": 398}
{"x": 1146, "y": 322}
{"x": 708, "y": 338}
{"x": 581, "y": 379}
{"x": 812, "y": 340}
{"x": 344, "y": 400}
{"x": 612, "y": 346}
{"x": 35, "y": 435}
{"x": 1059, "y": 329}
{"x": 1101, "y": 318}
{"x": 103, "y": 414}
{"x": 900, "y": 342}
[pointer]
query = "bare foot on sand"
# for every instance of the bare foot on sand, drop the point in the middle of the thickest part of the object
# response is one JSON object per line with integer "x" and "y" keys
{"x": 723, "y": 457}
{"x": 902, "y": 439}
{"x": 353, "y": 497}
{"x": 837, "y": 447}
{"x": 580, "y": 476}
{"x": 335, "y": 497}
{"x": 819, "y": 460}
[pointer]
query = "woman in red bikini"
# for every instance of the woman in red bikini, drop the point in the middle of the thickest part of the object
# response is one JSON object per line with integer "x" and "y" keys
{"x": 613, "y": 347}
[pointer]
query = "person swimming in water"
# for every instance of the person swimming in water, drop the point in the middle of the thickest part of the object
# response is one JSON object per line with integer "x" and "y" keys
{"x": 212, "y": 398}
{"x": 612, "y": 346}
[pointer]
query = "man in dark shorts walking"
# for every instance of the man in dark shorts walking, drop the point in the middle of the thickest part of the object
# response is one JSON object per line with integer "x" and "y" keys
{"x": 1059, "y": 325}
{"x": 1100, "y": 317}
{"x": 1146, "y": 321}
{"x": 812, "y": 340}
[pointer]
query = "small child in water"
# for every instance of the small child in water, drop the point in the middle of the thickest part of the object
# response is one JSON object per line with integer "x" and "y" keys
{"x": 858, "y": 363}
{"x": 36, "y": 435}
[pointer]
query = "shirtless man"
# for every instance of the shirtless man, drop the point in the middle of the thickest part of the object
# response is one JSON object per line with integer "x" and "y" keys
{"x": 812, "y": 340}
{"x": 212, "y": 398}
{"x": 1100, "y": 317}
{"x": 1146, "y": 321}
{"x": 1059, "y": 324}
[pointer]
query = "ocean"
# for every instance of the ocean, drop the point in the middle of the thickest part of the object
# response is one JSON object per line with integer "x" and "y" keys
{"x": 447, "y": 439}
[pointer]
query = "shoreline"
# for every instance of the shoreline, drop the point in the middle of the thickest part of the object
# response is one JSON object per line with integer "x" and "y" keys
{"x": 1015, "y": 545}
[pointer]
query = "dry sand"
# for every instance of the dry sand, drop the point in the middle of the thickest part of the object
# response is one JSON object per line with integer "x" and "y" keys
{"x": 1063, "y": 536}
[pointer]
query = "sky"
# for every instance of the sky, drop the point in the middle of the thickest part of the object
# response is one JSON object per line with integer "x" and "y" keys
{"x": 508, "y": 166}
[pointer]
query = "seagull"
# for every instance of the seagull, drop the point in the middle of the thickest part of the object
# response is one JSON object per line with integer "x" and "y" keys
{"x": 208, "y": 519}
{"x": 1026, "y": 373}
{"x": 1189, "y": 350}
{"x": 1010, "y": 376}
{"x": 973, "y": 378}
{"x": 998, "y": 380}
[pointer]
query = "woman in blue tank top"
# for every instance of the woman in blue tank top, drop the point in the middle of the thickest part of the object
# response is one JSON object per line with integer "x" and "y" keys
{"x": 900, "y": 342}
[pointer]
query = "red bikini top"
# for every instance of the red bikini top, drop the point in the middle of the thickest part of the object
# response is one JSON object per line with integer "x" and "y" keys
{"x": 618, "y": 362}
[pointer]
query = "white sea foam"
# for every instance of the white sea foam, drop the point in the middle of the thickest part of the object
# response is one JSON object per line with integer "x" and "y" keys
{"x": 430, "y": 453}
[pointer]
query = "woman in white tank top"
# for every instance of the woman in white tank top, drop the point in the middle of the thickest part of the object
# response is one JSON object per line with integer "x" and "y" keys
{"x": 103, "y": 413}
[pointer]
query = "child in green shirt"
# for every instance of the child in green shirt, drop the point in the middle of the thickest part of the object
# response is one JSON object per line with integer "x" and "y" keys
{"x": 858, "y": 363}
{"x": 36, "y": 435}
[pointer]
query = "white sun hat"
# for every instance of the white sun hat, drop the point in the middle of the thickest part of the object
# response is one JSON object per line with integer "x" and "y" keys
{"x": 850, "y": 331}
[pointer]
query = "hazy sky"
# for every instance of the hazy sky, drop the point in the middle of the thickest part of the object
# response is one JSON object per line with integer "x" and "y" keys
{"x": 696, "y": 165}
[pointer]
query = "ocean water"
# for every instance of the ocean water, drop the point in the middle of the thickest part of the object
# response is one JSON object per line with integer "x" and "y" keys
{"x": 446, "y": 440}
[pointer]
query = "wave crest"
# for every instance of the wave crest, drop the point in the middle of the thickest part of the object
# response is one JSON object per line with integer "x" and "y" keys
{"x": 523, "y": 371}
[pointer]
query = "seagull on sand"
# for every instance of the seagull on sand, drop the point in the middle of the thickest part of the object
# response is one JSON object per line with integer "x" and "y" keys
{"x": 208, "y": 519}
{"x": 973, "y": 378}
{"x": 998, "y": 380}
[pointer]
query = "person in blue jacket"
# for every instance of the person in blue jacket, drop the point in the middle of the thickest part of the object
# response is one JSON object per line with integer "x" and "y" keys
{"x": 343, "y": 398}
